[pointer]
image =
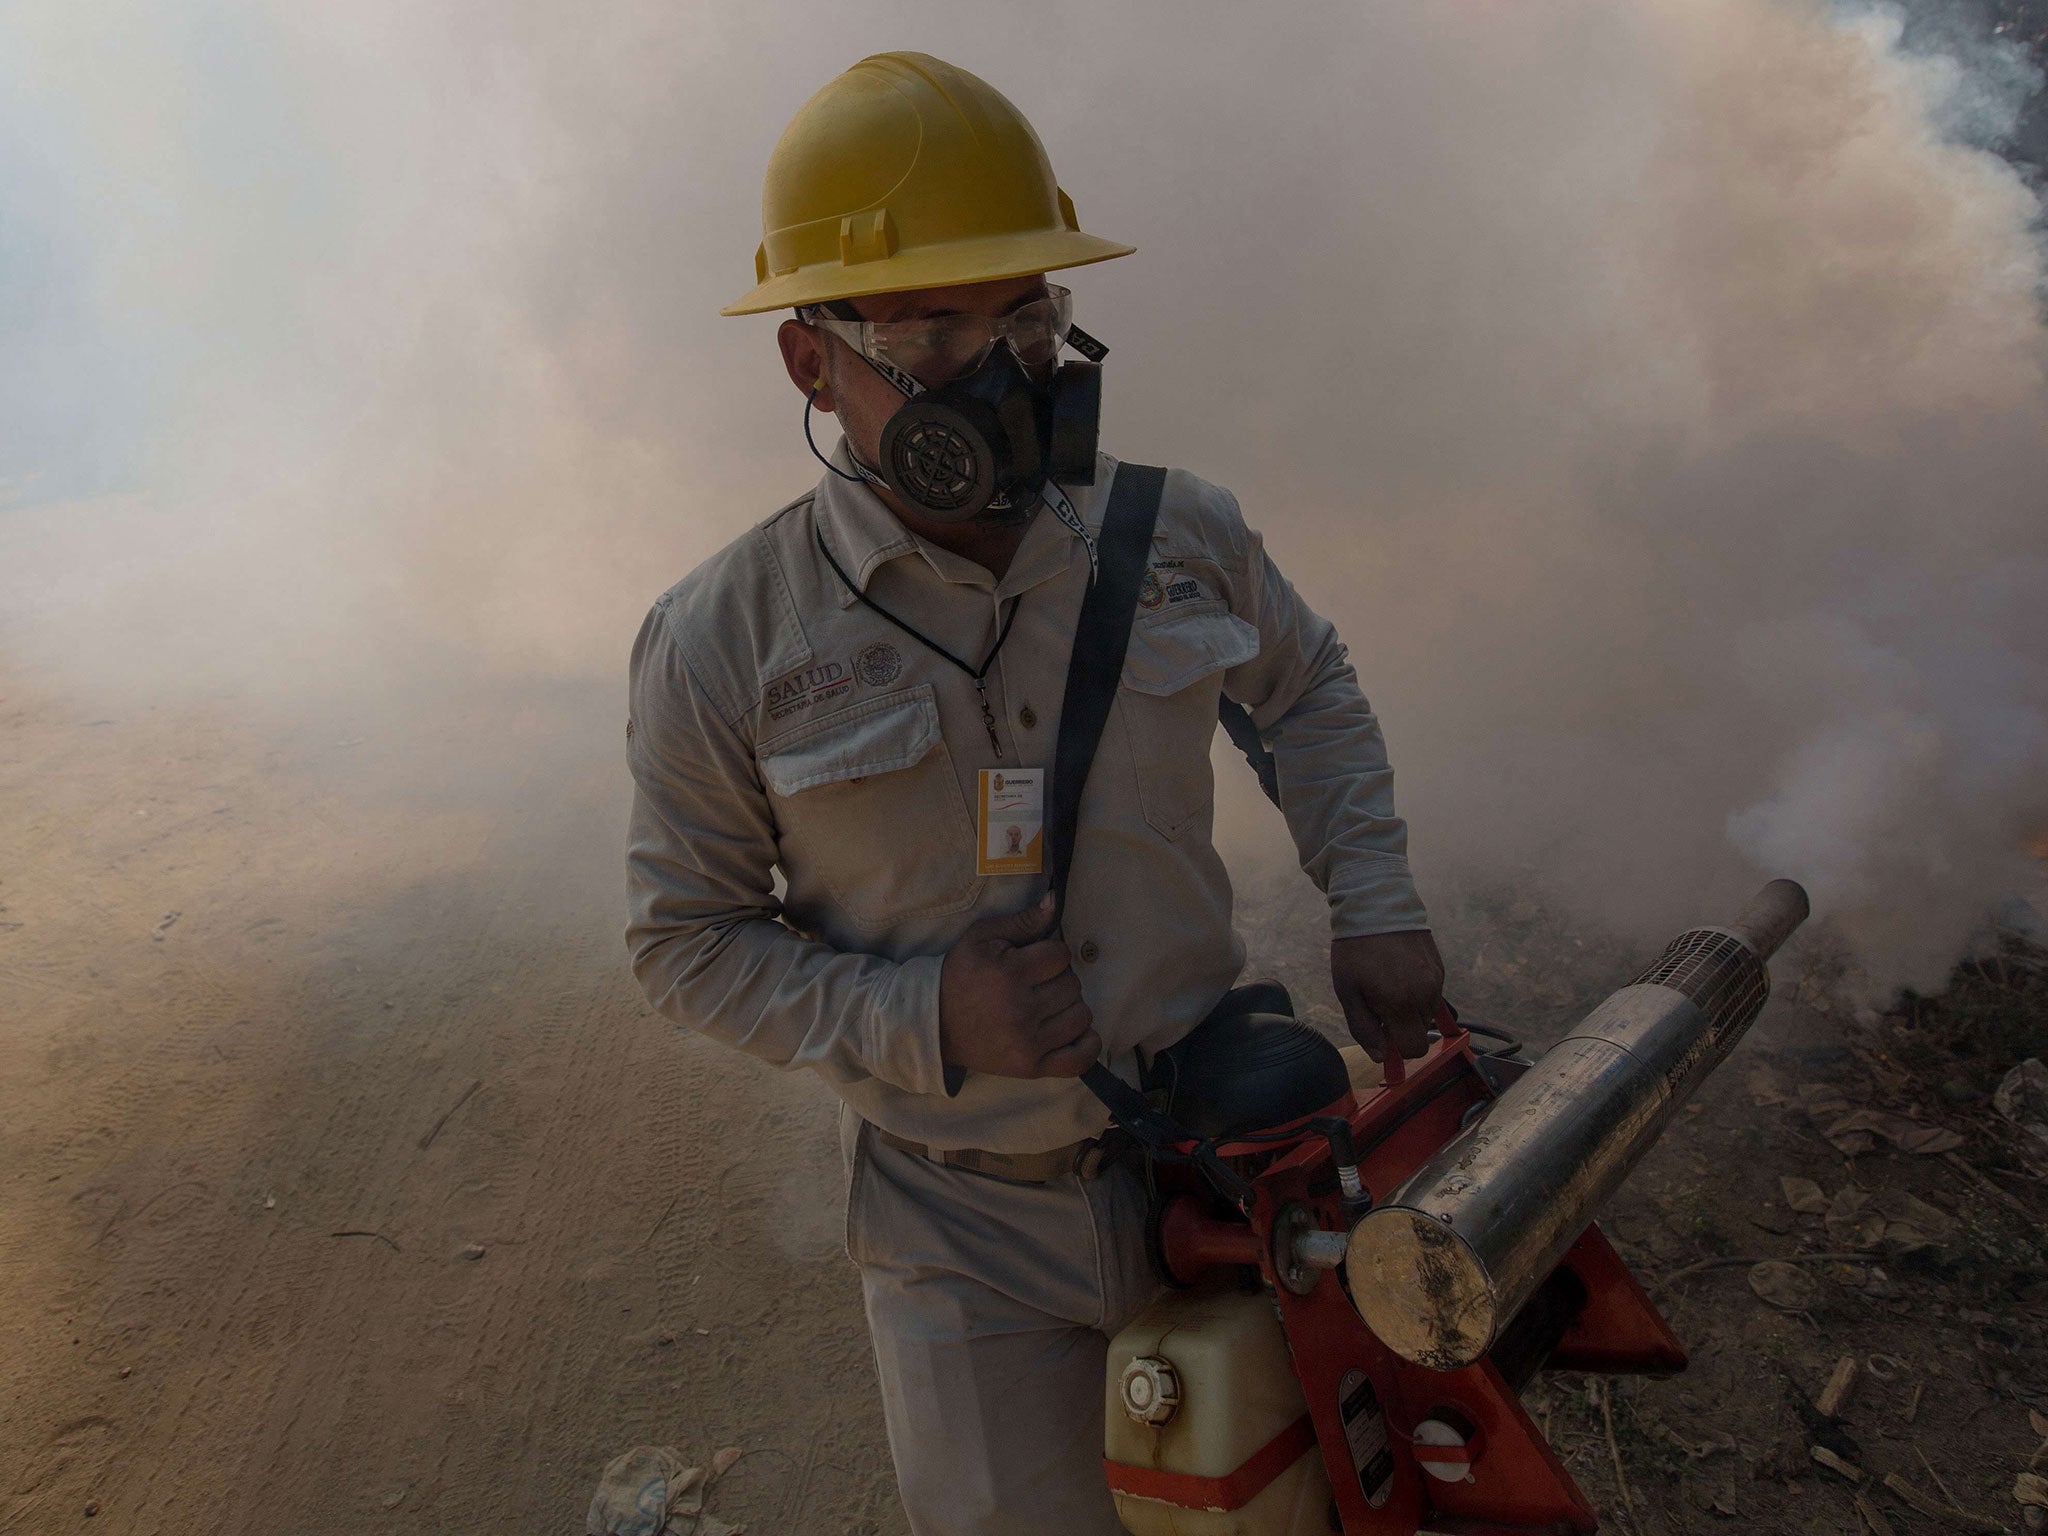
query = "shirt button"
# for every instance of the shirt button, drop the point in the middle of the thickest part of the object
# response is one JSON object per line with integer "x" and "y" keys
{"x": 1090, "y": 952}
{"x": 1027, "y": 717}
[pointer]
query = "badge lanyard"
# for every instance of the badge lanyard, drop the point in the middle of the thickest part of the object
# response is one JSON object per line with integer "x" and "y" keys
{"x": 978, "y": 676}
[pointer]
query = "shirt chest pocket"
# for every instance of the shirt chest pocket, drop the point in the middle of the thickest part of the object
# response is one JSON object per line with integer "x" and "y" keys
{"x": 1173, "y": 676}
{"x": 869, "y": 805}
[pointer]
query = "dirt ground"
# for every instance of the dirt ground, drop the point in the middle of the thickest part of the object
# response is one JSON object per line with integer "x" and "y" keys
{"x": 346, "y": 1184}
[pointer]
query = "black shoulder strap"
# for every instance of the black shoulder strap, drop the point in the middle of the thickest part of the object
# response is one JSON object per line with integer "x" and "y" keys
{"x": 1101, "y": 636}
{"x": 1244, "y": 735}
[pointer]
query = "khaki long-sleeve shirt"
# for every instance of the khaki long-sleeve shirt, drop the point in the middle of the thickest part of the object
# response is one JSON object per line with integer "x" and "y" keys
{"x": 778, "y": 724}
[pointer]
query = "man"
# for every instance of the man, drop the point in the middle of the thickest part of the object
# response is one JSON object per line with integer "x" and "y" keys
{"x": 864, "y": 693}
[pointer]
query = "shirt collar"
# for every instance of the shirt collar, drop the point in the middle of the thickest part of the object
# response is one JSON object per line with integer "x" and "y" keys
{"x": 864, "y": 535}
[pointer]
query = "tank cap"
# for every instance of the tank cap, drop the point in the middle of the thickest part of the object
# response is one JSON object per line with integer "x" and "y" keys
{"x": 1150, "y": 1390}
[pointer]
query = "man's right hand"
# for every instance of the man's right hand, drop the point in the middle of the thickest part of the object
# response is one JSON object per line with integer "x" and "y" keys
{"x": 1010, "y": 1003}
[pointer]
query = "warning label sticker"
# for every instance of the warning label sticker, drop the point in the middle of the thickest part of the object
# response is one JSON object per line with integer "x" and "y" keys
{"x": 1365, "y": 1431}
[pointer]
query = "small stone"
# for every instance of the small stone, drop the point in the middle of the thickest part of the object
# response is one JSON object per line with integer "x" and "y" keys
{"x": 394, "y": 1498}
{"x": 125, "y": 1370}
{"x": 473, "y": 1252}
{"x": 92, "y": 1507}
{"x": 665, "y": 1340}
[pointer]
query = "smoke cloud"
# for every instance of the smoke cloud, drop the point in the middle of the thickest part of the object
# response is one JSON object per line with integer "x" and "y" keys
{"x": 1653, "y": 391}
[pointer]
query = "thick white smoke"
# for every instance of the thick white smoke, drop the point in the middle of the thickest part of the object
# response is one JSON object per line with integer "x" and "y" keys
{"x": 1654, "y": 391}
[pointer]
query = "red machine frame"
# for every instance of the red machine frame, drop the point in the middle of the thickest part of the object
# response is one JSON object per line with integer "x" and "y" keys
{"x": 1514, "y": 1483}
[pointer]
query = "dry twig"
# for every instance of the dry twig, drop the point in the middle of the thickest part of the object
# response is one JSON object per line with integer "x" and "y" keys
{"x": 1935, "y": 1511}
{"x": 427, "y": 1140}
{"x": 1614, "y": 1451}
{"x": 1978, "y": 1178}
{"x": 1835, "y": 1395}
{"x": 1872, "y": 1520}
{"x": 1798, "y": 1258}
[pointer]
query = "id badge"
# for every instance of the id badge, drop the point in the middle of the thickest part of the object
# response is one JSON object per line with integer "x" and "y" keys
{"x": 1011, "y": 822}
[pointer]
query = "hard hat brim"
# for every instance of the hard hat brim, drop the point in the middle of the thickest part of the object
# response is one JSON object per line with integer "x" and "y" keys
{"x": 985, "y": 260}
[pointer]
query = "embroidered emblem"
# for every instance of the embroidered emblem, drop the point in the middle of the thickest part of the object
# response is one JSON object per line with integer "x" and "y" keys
{"x": 1150, "y": 593}
{"x": 879, "y": 664}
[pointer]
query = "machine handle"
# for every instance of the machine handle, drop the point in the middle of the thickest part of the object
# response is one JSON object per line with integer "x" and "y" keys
{"x": 1394, "y": 1067}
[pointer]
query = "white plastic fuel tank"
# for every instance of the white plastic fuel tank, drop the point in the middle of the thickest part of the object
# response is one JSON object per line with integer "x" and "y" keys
{"x": 1200, "y": 1389}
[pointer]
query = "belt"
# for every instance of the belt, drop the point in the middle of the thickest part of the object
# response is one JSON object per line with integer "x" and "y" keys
{"x": 1085, "y": 1159}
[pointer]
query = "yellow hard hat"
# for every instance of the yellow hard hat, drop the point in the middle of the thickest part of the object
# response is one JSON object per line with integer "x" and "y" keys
{"x": 906, "y": 172}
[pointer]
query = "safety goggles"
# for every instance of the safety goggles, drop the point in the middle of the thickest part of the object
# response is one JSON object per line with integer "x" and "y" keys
{"x": 940, "y": 348}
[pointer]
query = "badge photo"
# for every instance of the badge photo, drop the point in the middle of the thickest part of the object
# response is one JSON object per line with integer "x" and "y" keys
{"x": 1010, "y": 822}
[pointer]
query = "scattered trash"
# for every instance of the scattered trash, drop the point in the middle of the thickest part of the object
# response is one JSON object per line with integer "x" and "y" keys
{"x": 1885, "y": 1367}
{"x": 1824, "y": 1103}
{"x": 1851, "y": 1222}
{"x": 170, "y": 920}
{"x": 1765, "y": 1087}
{"x": 1804, "y": 1196}
{"x": 1835, "y": 1395}
{"x": 1784, "y": 1286}
{"x": 643, "y": 1493}
{"x": 2031, "y": 1488}
{"x": 649, "y": 1491}
{"x": 1847, "y": 1470}
{"x": 1853, "y": 1134}
{"x": 2022, "y": 1098}
{"x": 1887, "y": 1218}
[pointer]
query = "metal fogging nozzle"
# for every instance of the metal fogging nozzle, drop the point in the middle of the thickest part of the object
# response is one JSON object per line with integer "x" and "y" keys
{"x": 1449, "y": 1258}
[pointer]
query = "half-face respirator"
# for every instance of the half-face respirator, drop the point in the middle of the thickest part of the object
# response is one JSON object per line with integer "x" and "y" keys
{"x": 984, "y": 443}
{"x": 990, "y": 441}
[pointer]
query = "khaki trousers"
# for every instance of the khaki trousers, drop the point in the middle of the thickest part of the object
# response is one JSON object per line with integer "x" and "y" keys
{"x": 992, "y": 1305}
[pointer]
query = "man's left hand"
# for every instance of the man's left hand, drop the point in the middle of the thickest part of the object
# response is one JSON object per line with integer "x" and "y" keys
{"x": 1389, "y": 985}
